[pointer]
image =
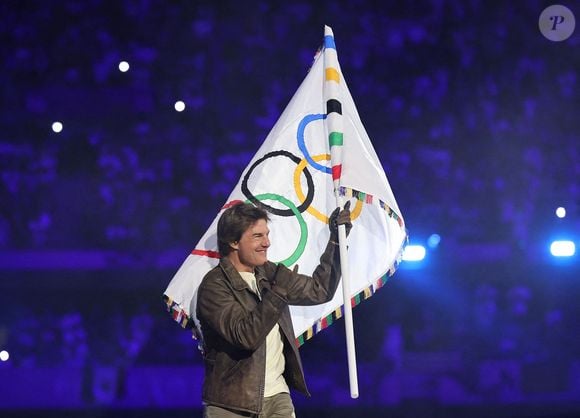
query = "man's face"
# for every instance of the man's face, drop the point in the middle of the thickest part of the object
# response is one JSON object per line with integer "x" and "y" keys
{"x": 252, "y": 248}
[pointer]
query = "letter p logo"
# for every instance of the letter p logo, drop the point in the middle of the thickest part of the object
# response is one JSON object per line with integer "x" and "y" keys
{"x": 557, "y": 23}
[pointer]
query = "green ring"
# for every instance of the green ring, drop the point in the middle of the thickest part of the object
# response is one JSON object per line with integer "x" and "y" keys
{"x": 303, "y": 228}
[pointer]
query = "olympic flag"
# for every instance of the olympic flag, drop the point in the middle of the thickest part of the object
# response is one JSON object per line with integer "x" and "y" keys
{"x": 294, "y": 177}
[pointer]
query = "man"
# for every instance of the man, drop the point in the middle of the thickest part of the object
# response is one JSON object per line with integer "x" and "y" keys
{"x": 250, "y": 356}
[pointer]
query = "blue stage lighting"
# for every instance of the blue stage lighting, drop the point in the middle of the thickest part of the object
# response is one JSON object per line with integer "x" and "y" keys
{"x": 414, "y": 253}
{"x": 563, "y": 248}
{"x": 433, "y": 241}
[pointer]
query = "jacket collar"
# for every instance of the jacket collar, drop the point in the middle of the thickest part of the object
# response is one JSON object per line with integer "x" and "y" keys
{"x": 234, "y": 277}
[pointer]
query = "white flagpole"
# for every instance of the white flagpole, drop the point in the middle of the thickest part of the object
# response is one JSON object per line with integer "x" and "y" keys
{"x": 334, "y": 124}
{"x": 348, "y": 324}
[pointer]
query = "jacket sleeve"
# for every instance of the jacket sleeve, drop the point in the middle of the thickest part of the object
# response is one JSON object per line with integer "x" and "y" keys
{"x": 321, "y": 287}
{"x": 220, "y": 309}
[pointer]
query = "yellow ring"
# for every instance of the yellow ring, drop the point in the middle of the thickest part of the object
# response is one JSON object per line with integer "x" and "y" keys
{"x": 311, "y": 210}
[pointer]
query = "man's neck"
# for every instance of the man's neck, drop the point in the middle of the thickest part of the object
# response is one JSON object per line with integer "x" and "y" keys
{"x": 238, "y": 265}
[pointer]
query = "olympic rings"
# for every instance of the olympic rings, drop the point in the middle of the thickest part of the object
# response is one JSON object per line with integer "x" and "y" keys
{"x": 280, "y": 212}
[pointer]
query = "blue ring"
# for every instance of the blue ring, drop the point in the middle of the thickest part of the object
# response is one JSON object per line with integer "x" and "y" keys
{"x": 302, "y": 144}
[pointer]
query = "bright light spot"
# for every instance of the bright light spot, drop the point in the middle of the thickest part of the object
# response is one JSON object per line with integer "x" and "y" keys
{"x": 123, "y": 66}
{"x": 4, "y": 356}
{"x": 57, "y": 127}
{"x": 561, "y": 212}
{"x": 433, "y": 241}
{"x": 414, "y": 253}
{"x": 179, "y": 106}
{"x": 563, "y": 248}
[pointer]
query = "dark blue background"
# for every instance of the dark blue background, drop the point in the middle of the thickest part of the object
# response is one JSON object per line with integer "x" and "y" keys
{"x": 473, "y": 113}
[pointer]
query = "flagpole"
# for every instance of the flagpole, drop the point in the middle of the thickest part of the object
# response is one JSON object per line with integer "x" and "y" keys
{"x": 348, "y": 323}
{"x": 334, "y": 125}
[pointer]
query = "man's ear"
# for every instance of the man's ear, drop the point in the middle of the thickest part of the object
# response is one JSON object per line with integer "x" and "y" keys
{"x": 235, "y": 245}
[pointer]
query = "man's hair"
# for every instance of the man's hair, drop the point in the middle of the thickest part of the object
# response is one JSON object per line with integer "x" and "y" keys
{"x": 234, "y": 222}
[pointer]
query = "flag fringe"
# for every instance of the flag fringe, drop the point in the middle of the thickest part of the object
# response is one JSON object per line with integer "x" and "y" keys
{"x": 369, "y": 199}
{"x": 178, "y": 313}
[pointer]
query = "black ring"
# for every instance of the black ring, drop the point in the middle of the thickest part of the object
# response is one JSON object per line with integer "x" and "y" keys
{"x": 279, "y": 212}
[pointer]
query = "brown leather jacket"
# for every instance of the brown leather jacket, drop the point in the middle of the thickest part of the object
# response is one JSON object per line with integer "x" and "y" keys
{"x": 235, "y": 323}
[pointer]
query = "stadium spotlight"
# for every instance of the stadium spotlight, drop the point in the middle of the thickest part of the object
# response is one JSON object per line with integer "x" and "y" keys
{"x": 179, "y": 106}
{"x": 414, "y": 253}
{"x": 562, "y": 248}
{"x": 57, "y": 127}
{"x": 124, "y": 66}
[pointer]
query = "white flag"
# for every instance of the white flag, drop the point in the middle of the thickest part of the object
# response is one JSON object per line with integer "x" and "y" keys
{"x": 294, "y": 177}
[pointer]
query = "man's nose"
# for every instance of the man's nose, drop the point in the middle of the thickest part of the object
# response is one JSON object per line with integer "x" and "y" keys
{"x": 266, "y": 242}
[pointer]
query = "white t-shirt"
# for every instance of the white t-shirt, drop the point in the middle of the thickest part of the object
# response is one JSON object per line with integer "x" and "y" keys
{"x": 275, "y": 362}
